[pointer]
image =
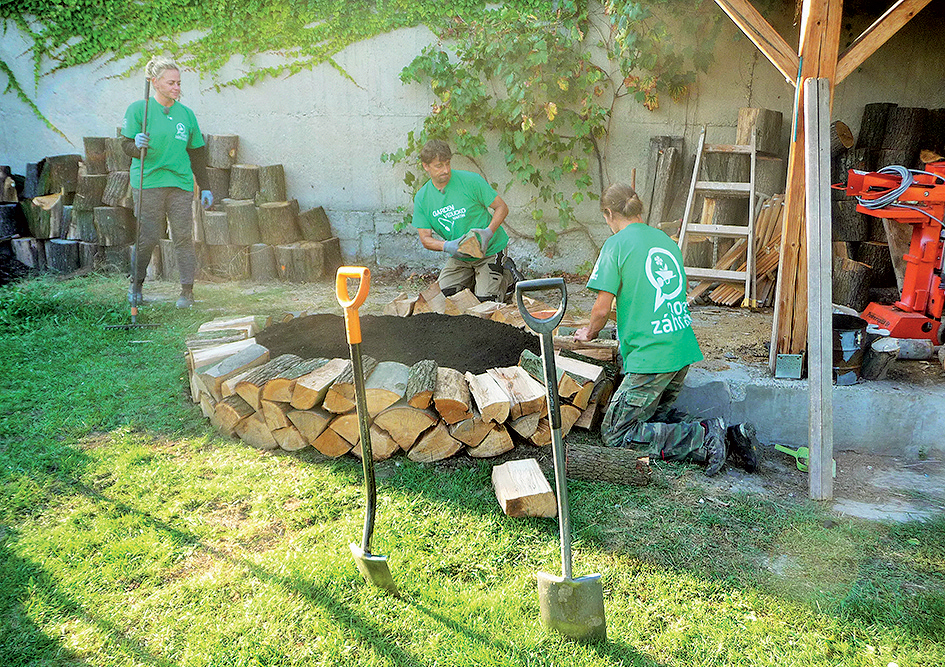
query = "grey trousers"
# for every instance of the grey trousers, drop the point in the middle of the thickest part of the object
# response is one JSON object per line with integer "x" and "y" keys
{"x": 175, "y": 206}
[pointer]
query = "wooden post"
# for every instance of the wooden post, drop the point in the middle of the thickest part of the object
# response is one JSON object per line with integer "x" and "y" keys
{"x": 819, "y": 320}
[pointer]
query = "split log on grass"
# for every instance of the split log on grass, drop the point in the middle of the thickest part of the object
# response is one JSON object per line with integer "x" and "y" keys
{"x": 242, "y": 221}
{"x": 492, "y": 401}
{"x": 331, "y": 444}
{"x": 216, "y": 230}
{"x": 435, "y": 445}
{"x": 607, "y": 464}
{"x": 230, "y": 411}
{"x": 593, "y": 414}
{"x": 244, "y": 181}
{"x": 274, "y": 412}
{"x": 310, "y": 389}
{"x": 401, "y": 306}
{"x": 526, "y": 425}
{"x": 290, "y": 439}
{"x": 472, "y": 430}
{"x": 405, "y": 423}
{"x": 114, "y": 226}
{"x": 586, "y": 374}
{"x": 526, "y": 395}
{"x": 421, "y": 383}
{"x": 382, "y": 445}
{"x": 497, "y": 442}
{"x": 262, "y": 262}
{"x": 879, "y": 356}
{"x": 215, "y": 375}
{"x": 272, "y": 183}
{"x": 851, "y": 284}
{"x": 46, "y": 218}
{"x": 310, "y": 423}
{"x": 219, "y": 182}
{"x": 340, "y": 397}
{"x": 313, "y": 224}
{"x": 247, "y": 324}
{"x": 542, "y": 435}
{"x": 30, "y": 252}
{"x": 386, "y": 386}
{"x": 277, "y": 223}
{"x": 282, "y": 386}
{"x": 62, "y": 256}
{"x": 523, "y": 490}
{"x": 89, "y": 191}
{"x": 347, "y": 426}
{"x": 115, "y": 157}
{"x": 251, "y": 386}
{"x": 534, "y": 366}
{"x": 451, "y": 395}
{"x": 255, "y": 432}
{"x": 207, "y": 407}
{"x": 207, "y": 356}
{"x": 221, "y": 150}
{"x": 95, "y": 155}
{"x": 302, "y": 262}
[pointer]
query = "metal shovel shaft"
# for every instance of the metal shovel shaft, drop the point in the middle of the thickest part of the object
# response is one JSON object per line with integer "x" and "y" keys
{"x": 367, "y": 454}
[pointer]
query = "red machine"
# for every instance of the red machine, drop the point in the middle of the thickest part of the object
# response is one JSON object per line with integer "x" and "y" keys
{"x": 915, "y": 198}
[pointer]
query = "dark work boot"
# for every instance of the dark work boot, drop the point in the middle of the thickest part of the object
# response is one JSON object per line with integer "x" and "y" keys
{"x": 186, "y": 298}
{"x": 743, "y": 447}
{"x": 135, "y": 295}
{"x": 715, "y": 448}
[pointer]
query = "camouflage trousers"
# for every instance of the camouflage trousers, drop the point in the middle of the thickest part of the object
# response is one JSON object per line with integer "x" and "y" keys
{"x": 640, "y": 416}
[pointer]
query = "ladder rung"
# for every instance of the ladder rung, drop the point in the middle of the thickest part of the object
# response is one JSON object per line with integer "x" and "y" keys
{"x": 722, "y": 188}
{"x": 728, "y": 148}
{"x": 733, "y": 231}
{"x": 715, "y": 274}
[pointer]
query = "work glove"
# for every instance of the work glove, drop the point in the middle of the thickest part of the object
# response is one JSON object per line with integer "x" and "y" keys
{"x": 485, "y": 235}
{"x": 141, "y": 140}
{"x": 206, "y": 199}
{"x": 452, "y": 247}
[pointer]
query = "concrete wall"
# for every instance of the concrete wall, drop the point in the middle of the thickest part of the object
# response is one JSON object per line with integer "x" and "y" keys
{"x": 329, "y": 132}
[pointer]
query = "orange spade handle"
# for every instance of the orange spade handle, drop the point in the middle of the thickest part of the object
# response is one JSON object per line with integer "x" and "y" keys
{"x": 352, "y": 322}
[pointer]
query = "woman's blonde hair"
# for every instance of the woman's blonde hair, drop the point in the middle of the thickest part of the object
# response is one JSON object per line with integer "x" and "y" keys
{"x": 158, "y": 65}
{"x": 621, "y": 198}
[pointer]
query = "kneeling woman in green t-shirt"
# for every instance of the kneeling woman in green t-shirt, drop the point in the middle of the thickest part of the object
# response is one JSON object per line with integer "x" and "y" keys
{"x": 642, "y": 268}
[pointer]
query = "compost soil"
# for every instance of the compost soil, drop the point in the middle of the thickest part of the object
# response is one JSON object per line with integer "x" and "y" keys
{"x": 463, "y": 342}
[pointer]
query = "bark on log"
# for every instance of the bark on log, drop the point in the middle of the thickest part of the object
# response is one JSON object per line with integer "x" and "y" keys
{"x": 340, "y": 397}
{"x": 62, "y": 256}
{"x": 451, "y": 395}
{"x": 873, "y": 125}
{"x": 861, "y": 159}
{"x": 115, "y": 158}
{"x": 262, "y": 262}
{"x": 331, "y": 444}
{"x": 841, "y": 138}
{"x": 8, "y": 193}
{"x": 229, "y": 412}
{"x": 310, "y": 389}
{"x": 30, "y": 251}
{"x": 116, "y": 189}
{"x": 254, "y": 432}
{"x": 219, "y": 182}
{"x": 879, "y": 356}
{"x": 61, "y": 174}
{"x": 658, "y": 145}
{"x": 46, "y": 218}
{"x": 216, "y": 230}
{"x": 526, "y": 395}
{"x": 113, "y": 226}
{"x": 89, "y": 191}
{"x": 899, "y": 238}
{"x": 96, "y": 149}
{"x": 421, "y": 383}
{"x": 214, "y": 376}
{"x": 522, "y": 489}
{"x": 311, "y": 423}
{"x": 169, "y": 261}
{"x": 331, "y": 251}
{"x": 405, "y": 424}
{"x": 301, "y": 262}
{"x": 470, "y": 245}
{"x": 221, "y": 150}
{"x": 435, "y": 445}
{"x": 608, "y": 464}
{"x": 118, "y": 258}
{"x": 230, "y": 262}
{"x": 851, "y": 284}
{"x": 382, "y": 446}
{"x": 33, "y": 186}
{"x": 314, "y": 225}
{"x": 497, "y": 442}
{"x": 905, "y": 129}
{"x": 282, "y": 386}
{"x": 90, "y": 254}
{"x": 386, "y": 386}
{"x": 244, "y": 181}
{"x": 668, "y": 168}
{"x": 766, "y": 126}
{"x": 847, "y": 223}
{"x": 251, "y": 386}
{"x": 877, "y": 256}
{"x": 272, "y": 184}
{"x": 10, "y": 217}
{"x": 242, "y": 221}
{"x": 277, "y": 223}
{"x": 492, "y": 402}
{"x": 534, "y": 366}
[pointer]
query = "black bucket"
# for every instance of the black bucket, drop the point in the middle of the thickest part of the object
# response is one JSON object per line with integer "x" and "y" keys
{"x": 849, "y": 342}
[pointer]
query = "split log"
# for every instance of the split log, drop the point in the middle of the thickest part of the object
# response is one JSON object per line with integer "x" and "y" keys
{"x": 847, "y": 223}
{"x": 451, "y": 395}
{"x": 484, "y": 310}
{"x": 219, "y": 182}
{"x": 879, "y": 356}
{"x": 331, "y": 444}
{"x": 877, "y": 256}
{"x": 89, "y": 191}
{"x": 492, "y": 402}
{"x": 300, "y": 262}
{"x": 542, "y": 435}
{"x": 405, "y": 423}
{"x": 386, "y": 386}
{"x": 8, "y": 193}
{"x": 905, "y": 129}
{"x": 340, "y": 397}
{"x": 522, "y": 489}
{"x": 282, "y": 386}
{"x": 765, "y": 124}
{"x": 214, "y": 376}
{"x": 244, "y": 181}
{"x": 658, "y": 145}
{"x": 254, "y": 432}
{"x": 33, "y": 186}
{"x": 331, "y": 251}
{"x": 668, "y": 168}
{"x": 470, "y": 245}
{"x": 247, "y": 324}
{"x": 30, "y": 251}
{"x": 251, "y": 386}
{"x": 851, "y": 284}
{"x": 207, "y": 407}
{"x": 841, "y": 138}
{"x": 272, "y": 184}
{"x": 472, "y": 430}
{"x": 873, "y": 125}
{"x": 262, "y": 262}
{"x": 46, "y": 218}
{"x": 310, "y": 423}
{"x": 431, "y": 300}
{"x": 607, "y": 464}
{"x": 215, "y": 228}
{"x": 113, "y": 226}
{"x": 95, "y": 155}
{"x": 464, "y": 300}
{"x": 435, "y": 445}
{"x": 497, "y": 442}
{"x": 593, "y": 414}
{"x": 382, "y": 446}
{"x": 526, "y": 395}
{"x": 115, "y": 158}
{"x": 221, "y": 150}
{"x": 586, "y": 374}
{"x": 310, "y": 389}
{"x": 230, "y": 411}
{"x": 401, "y": 306}
{"x": 207, "y": 356}
{"x": 534, "y": 366}
{"x": 62, "y": 256}
{"x": 227, "y": 261}
{"x": 274, "y": 412}
{"x": 117, "y": 190}
{"x": 421, "y": 383}
{"x": 228, "y": 388}
{"x": 347, "y": 426}
{"x": 314, "y": 225}
{"x": 526, "y": 425}
{"x": 242, "y": 221}
{"x": 290, "y": 439}
{"x": 277, "y": 223}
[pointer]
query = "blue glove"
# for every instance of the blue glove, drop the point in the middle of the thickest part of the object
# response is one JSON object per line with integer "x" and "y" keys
{"x": 141, "y": 140}
{"x": 206, "y": 199}
{"x": 485, "y": 235}
{"x": 452, "y": 247}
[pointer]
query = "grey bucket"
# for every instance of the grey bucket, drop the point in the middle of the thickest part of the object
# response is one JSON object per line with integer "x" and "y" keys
{"x": 849, "y": 342}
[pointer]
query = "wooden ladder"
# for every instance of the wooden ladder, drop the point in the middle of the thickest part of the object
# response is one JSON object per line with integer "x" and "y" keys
{"x": 719, "y": 189}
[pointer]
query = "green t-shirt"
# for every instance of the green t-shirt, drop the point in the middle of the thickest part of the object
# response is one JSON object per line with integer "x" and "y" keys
{"x": 166, "y": 164}
{"x": 463, "y": 205}
{"x": 642, "y": 266}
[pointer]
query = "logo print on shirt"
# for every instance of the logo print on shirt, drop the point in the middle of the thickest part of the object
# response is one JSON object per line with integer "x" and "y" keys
{"x": 448, "y": 215}
{"x": 664, "y": 273}
{"x": 181, "y": 132}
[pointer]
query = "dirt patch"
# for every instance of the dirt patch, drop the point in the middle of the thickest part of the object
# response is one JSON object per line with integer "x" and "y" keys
{"x": 462, "y": 342}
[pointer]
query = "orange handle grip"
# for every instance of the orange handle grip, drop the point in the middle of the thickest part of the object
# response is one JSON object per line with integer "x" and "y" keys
{"x": 352, "y": 322}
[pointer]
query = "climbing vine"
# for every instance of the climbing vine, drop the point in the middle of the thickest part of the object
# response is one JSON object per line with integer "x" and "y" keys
{"x": 541, "y": 87}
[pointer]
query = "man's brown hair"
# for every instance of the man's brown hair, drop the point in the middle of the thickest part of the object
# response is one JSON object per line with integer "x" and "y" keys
{"x": 433, "y": 149}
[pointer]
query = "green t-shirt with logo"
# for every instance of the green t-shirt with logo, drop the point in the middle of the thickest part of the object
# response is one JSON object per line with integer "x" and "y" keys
{"x": 642, "y": 267}
{"x": 166, "y": 163}
{"x": 463, "y": 205}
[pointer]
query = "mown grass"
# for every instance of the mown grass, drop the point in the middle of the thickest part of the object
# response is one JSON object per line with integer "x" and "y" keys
{"x": 132, "y": 534}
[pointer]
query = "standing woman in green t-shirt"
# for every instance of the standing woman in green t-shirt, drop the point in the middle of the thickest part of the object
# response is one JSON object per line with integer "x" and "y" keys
{"x": 640, "y": 268}
{"x": 174, "y": 155}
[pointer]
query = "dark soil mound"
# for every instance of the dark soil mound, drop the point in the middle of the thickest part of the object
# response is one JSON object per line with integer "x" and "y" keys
{"x": 462, "y": 342}
{"x": 12, "y": 270}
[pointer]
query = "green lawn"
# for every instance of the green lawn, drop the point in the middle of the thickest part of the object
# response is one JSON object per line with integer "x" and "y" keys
{"x": 132, "y": 534}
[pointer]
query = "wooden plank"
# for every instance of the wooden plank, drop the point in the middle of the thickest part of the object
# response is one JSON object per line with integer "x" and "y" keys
{"x": 731, "y": 231}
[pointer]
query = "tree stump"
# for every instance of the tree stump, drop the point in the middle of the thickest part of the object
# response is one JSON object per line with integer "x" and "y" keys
{"x": 862, "y": 159}
{"x": 262, "y": 262}
{"x": 116, "y": 188}
{"x": 766, "y": 126}
{"x": 96, "y": 150}
{"x": 879, "y": 356}
{"x": 851, "y": 284}
{"x": 314, "y": 224}
{"x": 272, "y": 184}
{"x": 62, "y": 256}
{"x": 244, "y": 181}
{"x": 277, "y": 223}
{"x": 877, "y": 256}
{"x": 90, "y": 254}
{"x": 115, "y": 158}
{"x": 34, "y": 184}
{"x": 30, "y": 252}
{"x": 219, "y": 182}
{"x": 46, "y": 218}
{"x": 847, "y": 223}
{"x": 841, "y": 138}
{"x": 61, "y": 173}
{"x": 608, "y": 464}
{"x": 221, "y": 150}
{"x": 230, "y": 262}
{"x": 117, "y": 258}
{"x": 113, "y": 225}
{"x": 873, "y": 125}
{"x": 169, "y": 261}
{"x": 242, "y": 220}
{"x": 300, "y": 262}
{"x": 331, "y": 249}
{"x": 905, "y": 129}
{"x": 10, "y": 218}
{"x": 89, "y": 191}
{"x": 215, "y": 228}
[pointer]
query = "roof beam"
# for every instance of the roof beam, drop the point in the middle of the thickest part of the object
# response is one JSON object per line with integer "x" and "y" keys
{"x": 876, "y": 35}
{"x": 766, "y": 38}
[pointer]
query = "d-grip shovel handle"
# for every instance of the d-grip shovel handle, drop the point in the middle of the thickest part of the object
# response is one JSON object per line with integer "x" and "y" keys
{"x": 352, "y": 321}
{"x": 548, "y": 324}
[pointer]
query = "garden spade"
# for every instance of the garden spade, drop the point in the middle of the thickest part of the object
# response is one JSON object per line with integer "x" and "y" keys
{"x": 573, "y": 607}
{"x": 373, "y": 568}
